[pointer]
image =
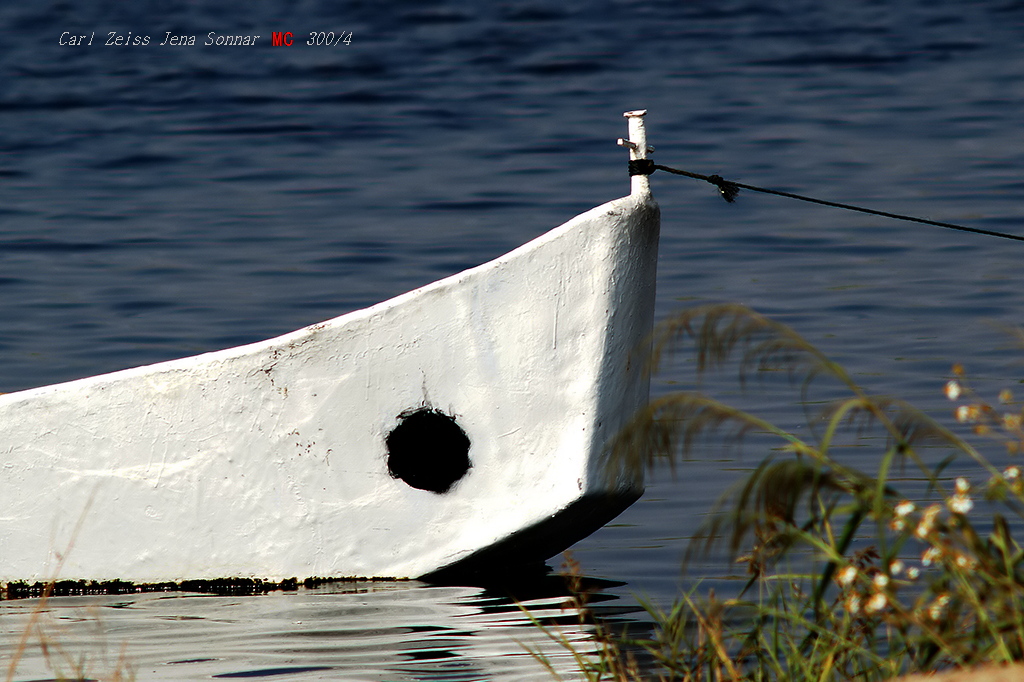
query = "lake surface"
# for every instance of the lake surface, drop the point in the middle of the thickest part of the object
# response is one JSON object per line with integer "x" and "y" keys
{"x": 158, "y": 201}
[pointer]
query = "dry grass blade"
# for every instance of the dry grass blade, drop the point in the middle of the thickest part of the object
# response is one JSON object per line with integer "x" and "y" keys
{"x": 907, "y": 427}
{"x": 53, "y": 652}
{"x": 765, "y": 506}
{"x": 719, "y": 330}
{"x": 668, "y": 428}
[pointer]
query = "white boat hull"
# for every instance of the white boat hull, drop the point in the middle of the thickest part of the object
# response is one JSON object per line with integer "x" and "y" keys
{"x": 271, "y": 460}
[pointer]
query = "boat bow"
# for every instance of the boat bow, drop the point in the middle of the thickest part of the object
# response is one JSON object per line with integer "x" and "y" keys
{"x": 457, "y": 425}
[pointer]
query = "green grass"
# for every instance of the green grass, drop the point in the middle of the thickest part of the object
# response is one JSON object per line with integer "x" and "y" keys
{"x": 849, "y": 578}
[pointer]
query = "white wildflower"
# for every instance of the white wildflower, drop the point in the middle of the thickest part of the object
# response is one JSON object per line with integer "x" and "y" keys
{"x": 847, "y": 576}
{"x": 904, "y": 508}
{"x": 967, "y": 413}
{"x": 877, "y": 602}
{"x": 960, "y": 504}
{"x": 952, "y": 390}
{"x": 901, "y": 511}
{"x": 927, "y": 523}
{"x": 965, "y": 562}
{"x": 938, "y": 607}
{"x": 931, "y": 555}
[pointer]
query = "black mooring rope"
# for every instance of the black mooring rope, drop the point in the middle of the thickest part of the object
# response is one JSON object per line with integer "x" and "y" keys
{"x": 730, "y": 189}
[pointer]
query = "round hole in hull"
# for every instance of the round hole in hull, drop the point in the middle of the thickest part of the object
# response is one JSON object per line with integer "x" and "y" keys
{"x": 428, "y": 450}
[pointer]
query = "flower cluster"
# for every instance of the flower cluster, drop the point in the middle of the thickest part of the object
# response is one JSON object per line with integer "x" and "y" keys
{"x": 1005, "y": 421}
{"x": 934, "y": 531}
{"x": 867, "y": 589}
{"x": 960, "y": 502}
{"x": 870, "y": 590}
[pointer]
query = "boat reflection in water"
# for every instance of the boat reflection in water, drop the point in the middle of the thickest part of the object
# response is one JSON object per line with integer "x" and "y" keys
{"x": 349, "y": 630}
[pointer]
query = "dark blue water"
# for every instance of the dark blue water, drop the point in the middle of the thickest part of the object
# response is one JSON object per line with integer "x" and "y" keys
{"x": 160, "y": 201}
